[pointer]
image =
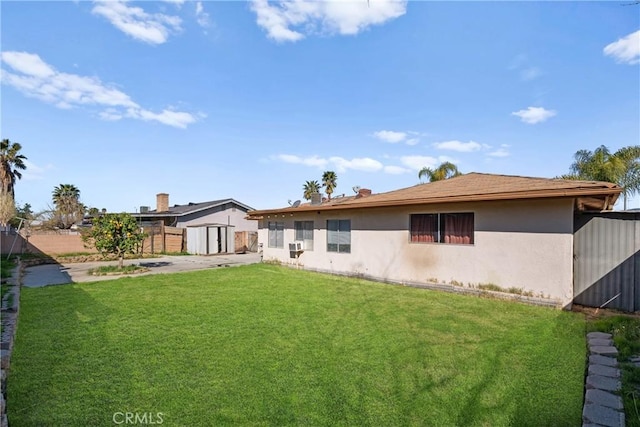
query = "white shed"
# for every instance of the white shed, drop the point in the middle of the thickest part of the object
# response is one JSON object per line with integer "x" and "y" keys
{"x": 208, "y": 239}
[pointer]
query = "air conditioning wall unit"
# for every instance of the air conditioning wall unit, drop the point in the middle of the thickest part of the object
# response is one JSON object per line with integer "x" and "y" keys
{"x": 295, "y": 247}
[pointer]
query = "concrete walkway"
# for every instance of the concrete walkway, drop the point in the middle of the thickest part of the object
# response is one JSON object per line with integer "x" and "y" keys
{"x": 602, "y": 404}
{"x": 56, "y": 274}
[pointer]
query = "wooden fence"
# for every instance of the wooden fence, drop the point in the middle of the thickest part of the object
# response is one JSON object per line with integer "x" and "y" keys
{"x": 163, "y": 239}
{"x": 246, "y": 241}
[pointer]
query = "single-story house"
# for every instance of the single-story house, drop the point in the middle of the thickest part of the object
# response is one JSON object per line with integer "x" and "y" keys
{"x": 218, "y": 226}
{"x": 475, "y": 229}
{"x": 221, "y": 212}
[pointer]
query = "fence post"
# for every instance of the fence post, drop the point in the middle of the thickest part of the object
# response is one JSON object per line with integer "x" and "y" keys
{"x": 163, "y": 237}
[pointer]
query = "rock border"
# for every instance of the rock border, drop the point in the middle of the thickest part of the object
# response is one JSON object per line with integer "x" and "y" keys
{"x": 10, "y": 308}
{"x": 602, "y": 404}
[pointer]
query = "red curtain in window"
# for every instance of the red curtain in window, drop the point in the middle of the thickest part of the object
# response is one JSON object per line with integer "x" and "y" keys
{"x": 424, "y": 228}
{"x": 458, "y": 228}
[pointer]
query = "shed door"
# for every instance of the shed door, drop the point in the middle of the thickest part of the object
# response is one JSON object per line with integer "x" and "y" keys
{"x": 214, "y": 240}
{"x": 231, "y": 239}
{"x": 197, "y": 240}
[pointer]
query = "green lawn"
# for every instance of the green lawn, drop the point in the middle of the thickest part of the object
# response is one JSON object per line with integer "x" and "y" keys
{"x": 267, "y": 345}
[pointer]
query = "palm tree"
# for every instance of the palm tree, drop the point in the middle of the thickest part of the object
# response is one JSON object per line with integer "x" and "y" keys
{"x": 329, "y": 179}
{"x": 66, "y": 198}
{"x": 630, "y": 179}
{"x": 65, "y": 194}
{"x": 621, "y": 167}
{"x": 446, "y": 170}
{"x": 309, "y": 188}
{"x": 11, "y": 162}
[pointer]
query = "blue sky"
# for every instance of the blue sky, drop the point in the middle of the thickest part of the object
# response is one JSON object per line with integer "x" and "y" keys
{"x": 207, "y": 100}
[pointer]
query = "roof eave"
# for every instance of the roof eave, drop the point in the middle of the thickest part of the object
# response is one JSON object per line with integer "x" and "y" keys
{"x": 610, "y": 192}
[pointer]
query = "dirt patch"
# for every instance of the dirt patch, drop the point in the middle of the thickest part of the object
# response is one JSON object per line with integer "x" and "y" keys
{"x": 592, "y": 313}
{"x": 77, "y": 259}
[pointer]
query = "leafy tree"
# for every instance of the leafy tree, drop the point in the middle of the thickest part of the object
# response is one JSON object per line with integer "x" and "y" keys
{"x": 446, "y": 170}
{"x": 329, "y": 182}
{"x": 68, "y": 209}
{"x": 630, "y": 175}
{"x": 621, "y": 167}
{"x": 11, "y": 163}
{"x": 309, "y": 188}
{"x": 23, "y": 212}
{"x": 115, "y": 234}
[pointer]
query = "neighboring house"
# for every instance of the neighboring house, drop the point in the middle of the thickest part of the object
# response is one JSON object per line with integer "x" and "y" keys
{"x": 218, "y": 226}
{"x": 219, "y": 212}
{"x": 509, "y": 231}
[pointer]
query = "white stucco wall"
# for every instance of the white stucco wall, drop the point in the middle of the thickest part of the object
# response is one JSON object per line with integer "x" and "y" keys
{"x": 228, "y": 216}
{"x": 522, "y": 244}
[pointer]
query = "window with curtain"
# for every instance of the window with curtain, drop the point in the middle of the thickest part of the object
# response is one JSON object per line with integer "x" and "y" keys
{"x": 276, "y": 234}
{"x": 424, "y": 228}
{"x": 304, "y": 233}
{"x": 452, "y": 228}
{"x": 339, "y": 235}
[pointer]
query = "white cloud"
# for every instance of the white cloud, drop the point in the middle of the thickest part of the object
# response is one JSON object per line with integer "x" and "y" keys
{"x": 110, "y": 114}
{"x": 390, "y": 136}
{"x": 36, "y": 79}
{"x": 135, "y": 22}
{"x": 500, "y": 152}
{"x": 307, "y": 161}
{"x": 27, "y": 63}
{"x": 34, "y": 172}
{"x": 625, "y": 50}
{"x": 202, "y": 17}
{"x": 521, "y": 64}
{"x": 169, "y": 117}
{"x": 396, "y": 170}
{"x": 292, "y": 20}
{"x": 418, "y": 162}
{"x": 462, "y": 147}
{"x": 530, "y": 73}
{"x": 412, "y": 141}
{"x": 394, "y": 137}
{"x": 365, "y": 164}
{"x": 340, "y": 164}
{"x": 533, "y": 115}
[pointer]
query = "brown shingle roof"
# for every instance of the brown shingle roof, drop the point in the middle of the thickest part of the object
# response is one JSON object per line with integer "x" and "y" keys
{"x": 475, "y": 187}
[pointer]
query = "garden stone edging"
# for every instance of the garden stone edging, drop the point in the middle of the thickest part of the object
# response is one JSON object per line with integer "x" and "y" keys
{"x": 9, "y": 323}
{"x": 602, "y": 406}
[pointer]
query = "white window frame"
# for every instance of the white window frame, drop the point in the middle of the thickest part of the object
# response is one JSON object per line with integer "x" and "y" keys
{"x": 275, "y": 234}
{"x": 339, "y": 235}
{"x": 303, "y": 232}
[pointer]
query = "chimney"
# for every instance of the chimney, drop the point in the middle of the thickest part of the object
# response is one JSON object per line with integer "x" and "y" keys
{"x": 316, "y": 199}
{"x": 162, "y": 202}
{"x": 363, "y": 192}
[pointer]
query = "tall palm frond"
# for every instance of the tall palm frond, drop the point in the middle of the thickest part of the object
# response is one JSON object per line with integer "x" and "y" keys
{"x": 329, "y": 182}
{"x": 621, "y": 167}
{"x": 445, "y": 170}
{"x": 11, "y": 163}
{"x": 309, "y": 188}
